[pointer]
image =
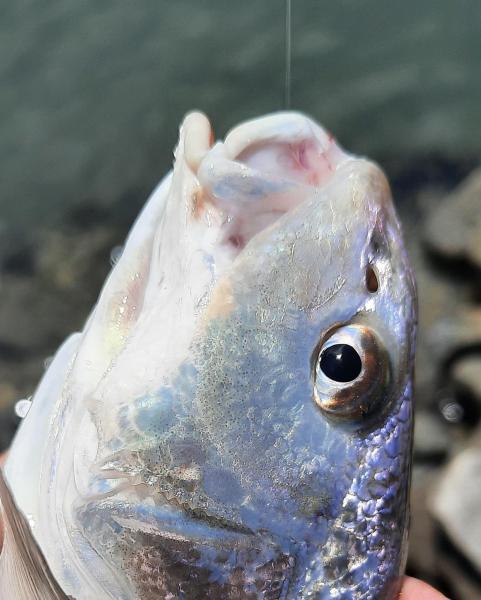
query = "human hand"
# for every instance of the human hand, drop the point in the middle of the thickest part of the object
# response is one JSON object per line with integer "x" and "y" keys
{"x": 414, "y": 589}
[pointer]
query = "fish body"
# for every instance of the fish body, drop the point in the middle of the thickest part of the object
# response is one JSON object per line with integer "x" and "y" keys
{"x": 235, "y": 419}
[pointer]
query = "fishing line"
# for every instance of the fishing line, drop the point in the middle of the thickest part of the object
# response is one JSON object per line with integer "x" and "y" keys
{"x": 288, "y": 38}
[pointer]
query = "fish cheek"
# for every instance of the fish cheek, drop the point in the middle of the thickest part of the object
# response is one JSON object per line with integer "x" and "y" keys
{"x": 366, "y": 546}
{"x": 162, "y": 566}
{"x": 163, "y": 569}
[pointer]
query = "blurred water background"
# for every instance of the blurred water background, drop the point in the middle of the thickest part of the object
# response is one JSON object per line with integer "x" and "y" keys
{"x": 91, "y": 98}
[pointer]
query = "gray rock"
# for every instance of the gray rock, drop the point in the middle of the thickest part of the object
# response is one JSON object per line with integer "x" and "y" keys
{"x": 454, "y": 228}
{"x": 456, "y": 501}
{"x": 448, "y": 322}
{"x": 467, "y": 375}
{"x": 423, "y": 556}
{"x": 431, "y": 437}
{"x": 462, "y": 584}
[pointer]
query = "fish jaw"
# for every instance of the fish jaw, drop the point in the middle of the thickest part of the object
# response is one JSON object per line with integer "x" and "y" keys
{"x": 191, "y": 452}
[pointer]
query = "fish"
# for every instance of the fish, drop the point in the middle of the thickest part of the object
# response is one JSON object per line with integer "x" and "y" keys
{"x": 235, "y": 419}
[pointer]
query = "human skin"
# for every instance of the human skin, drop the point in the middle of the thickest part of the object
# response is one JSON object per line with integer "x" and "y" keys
{"x": 414, "y": 589}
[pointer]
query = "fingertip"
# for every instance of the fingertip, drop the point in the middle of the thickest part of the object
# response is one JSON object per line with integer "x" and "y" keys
{"x": 414, "y": 589}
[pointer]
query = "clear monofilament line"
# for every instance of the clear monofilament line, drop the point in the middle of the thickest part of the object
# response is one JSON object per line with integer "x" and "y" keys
{"x": 287, "y": 89}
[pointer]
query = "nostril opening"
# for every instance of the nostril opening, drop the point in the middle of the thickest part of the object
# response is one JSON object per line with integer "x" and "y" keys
{"x": 237, "y": 241}
{"x": 372, "y": 282}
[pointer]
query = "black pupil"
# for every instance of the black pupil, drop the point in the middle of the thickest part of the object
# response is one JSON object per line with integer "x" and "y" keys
{"x": 340, "y": 362}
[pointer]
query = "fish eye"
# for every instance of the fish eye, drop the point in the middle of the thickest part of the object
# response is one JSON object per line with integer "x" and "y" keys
{"x": 340, "y": 362}
{"x": 351, "y": 373}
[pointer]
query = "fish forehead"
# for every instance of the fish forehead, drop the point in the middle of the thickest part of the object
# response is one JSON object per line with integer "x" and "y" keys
{"x": 326, "y": 242}
{"x": 299, "y": 264}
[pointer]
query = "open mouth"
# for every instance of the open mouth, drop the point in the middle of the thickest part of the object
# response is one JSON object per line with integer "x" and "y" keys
{"x": 262, "y": 170}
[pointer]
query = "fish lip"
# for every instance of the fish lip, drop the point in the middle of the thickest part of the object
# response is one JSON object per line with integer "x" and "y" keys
{"x": 282, "y": 126}
{"x": 261, "y": 170}
{"x": 176, "y": 523}
{"x": 170, "y": 519}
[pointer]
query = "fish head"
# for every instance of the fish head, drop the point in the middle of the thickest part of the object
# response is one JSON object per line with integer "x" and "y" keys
{"x": 238, "y": 413}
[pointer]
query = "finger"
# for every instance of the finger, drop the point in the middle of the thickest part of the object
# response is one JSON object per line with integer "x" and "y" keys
{"x": 414, "y": 589}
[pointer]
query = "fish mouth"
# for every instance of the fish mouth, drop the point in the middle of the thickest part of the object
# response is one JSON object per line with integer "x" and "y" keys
{"x": 135, "y": 508}
{"x": 170, "y": 522}
{"x": 263, "y": 169}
